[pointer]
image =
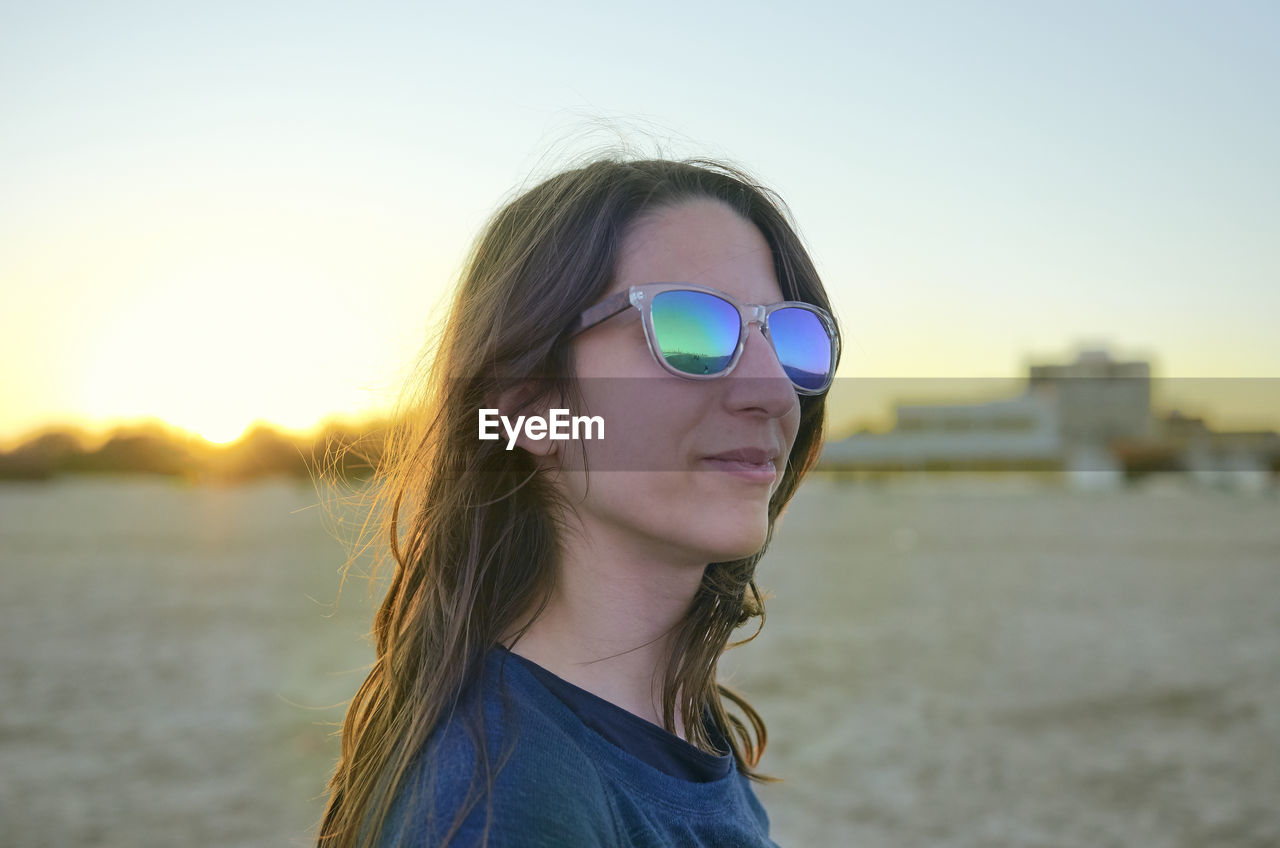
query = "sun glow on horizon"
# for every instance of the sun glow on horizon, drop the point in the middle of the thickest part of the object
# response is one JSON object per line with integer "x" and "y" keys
{"x": 222, "y": 434}
{"x": 211, "y": 350}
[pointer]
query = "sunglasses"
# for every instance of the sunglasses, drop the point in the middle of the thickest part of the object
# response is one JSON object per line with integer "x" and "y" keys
{"x": 699, "y": 332}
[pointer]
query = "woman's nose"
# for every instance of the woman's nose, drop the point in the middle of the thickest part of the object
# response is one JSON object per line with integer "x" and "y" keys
{"x": 763, "y": 376}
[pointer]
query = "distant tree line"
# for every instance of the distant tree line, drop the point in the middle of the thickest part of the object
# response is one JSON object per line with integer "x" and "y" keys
{"x": 261, "y": 452}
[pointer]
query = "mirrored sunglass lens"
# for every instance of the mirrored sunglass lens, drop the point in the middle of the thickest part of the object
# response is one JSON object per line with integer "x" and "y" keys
{"x": 696, "y": 332}
{"x": 803, "y": 346}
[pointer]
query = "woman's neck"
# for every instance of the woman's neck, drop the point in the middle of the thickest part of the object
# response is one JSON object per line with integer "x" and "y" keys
{"x": 608, "y": 626}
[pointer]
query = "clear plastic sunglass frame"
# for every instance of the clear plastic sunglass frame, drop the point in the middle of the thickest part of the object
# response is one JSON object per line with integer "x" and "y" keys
{"x": 642, "y": 296}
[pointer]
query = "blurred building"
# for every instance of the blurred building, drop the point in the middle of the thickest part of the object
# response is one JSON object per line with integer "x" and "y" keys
{"x": 1098, "y": 398}
{"x": 1020, "y": 432}
{"x": 1089, "y": 415}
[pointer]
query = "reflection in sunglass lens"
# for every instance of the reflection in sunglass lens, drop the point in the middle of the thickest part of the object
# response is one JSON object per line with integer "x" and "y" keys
{"x": 803, "y": 345}
{"x": 697, "y": 332}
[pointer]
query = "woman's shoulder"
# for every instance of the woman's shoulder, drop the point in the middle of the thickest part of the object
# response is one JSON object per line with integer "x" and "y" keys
{"x": 546, "y": 788}
{"x": 524, "y": 732}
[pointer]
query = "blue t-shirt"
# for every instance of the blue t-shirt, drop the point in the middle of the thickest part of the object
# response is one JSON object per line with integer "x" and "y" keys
{"x": 640, "y": 738}
{"x": 583, "y": 772}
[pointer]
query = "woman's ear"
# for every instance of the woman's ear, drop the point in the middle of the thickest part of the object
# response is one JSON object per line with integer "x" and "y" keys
{"x": 518, "y": 404}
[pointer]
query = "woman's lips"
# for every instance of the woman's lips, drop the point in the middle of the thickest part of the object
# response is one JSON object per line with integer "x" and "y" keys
{"x": 749, "y": 471}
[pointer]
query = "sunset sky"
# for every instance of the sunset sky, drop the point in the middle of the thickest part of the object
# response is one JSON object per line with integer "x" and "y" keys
{"x": 222, "y": 212}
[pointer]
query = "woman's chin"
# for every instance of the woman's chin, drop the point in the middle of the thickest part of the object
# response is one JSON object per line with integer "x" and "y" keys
{"x": 738, "y": 545}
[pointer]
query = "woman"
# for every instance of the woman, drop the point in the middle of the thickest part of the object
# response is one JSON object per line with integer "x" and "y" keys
{"x": 546, "y": 654}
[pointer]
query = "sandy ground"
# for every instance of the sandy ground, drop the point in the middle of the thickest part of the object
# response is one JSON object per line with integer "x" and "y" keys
{"x": 946, "y": 662}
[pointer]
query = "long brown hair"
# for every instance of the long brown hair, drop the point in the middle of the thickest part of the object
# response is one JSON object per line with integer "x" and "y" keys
{"x": 474, "y": 529}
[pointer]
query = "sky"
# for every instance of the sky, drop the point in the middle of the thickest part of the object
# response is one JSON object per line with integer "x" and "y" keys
{"x": 219, "y": 213}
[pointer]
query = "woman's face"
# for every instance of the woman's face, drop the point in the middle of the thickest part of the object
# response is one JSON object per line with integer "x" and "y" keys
{"x": 650, "y": 483}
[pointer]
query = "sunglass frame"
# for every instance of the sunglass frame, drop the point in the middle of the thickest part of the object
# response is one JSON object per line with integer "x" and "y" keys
{"x": 642, "y": 297}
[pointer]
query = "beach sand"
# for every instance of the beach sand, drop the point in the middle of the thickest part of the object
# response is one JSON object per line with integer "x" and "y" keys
{"x": 946, "y": 662}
